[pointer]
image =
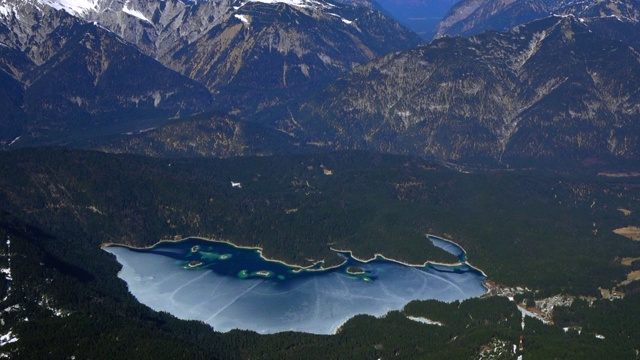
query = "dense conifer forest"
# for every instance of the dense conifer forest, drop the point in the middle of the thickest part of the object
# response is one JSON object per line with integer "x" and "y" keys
{"x": 549, "y": 233}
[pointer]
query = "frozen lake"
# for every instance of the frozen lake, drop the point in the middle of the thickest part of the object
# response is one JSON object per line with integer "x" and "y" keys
{"x": 235, "y": 288}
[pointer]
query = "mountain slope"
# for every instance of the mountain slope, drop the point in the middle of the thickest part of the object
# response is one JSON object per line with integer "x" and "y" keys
{"x": 268, "y": 55}
{"x": 71, "y": 78}
{"x": 552, "y": 90}
{"x": 13, "y": 65}
{"x": 254, "y": 56}
{"x": 470, "y": 17}
{"x": 96, "y": 76}
{"x": 203, "y": 135}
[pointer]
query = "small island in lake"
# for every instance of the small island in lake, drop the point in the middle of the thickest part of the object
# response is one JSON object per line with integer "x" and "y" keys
{"x": 194, "y": 263}
{"x": 354, "y": 270}
{"x": 264, "y": 273}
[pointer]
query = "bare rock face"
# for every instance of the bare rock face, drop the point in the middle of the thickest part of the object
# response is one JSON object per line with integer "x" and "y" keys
{"x": 159, "y": 28}
{"x": 38, "y": 31}
{"x": 552, "y": 89}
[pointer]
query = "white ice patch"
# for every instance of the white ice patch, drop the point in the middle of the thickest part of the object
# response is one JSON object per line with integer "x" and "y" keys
{"x": 135, "y": 13}
{"x": 317, "y": 304}
{"x": 242, "y": 18}
{"x": 8, "y": 338}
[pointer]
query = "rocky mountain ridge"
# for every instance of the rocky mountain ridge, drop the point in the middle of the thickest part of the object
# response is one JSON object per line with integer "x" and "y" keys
{"x": 471, "y": 17}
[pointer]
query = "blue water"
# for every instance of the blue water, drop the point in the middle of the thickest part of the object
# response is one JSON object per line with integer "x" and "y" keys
{"x": 449, "y": 246}
{"x": 235, "y": 288}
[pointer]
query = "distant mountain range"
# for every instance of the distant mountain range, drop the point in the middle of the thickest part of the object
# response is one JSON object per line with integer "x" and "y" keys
{"x": 470, "y": 17}
{"x": 421, "y": 16}
{"x": 297, "y": 76}
{"x": 558, "y": 90}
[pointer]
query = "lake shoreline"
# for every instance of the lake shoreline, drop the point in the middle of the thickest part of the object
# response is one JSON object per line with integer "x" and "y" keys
{"x": 299, "y": 268}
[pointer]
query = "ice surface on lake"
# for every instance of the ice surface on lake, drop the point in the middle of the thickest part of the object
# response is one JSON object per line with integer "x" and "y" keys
{"x": 308, "y": 301}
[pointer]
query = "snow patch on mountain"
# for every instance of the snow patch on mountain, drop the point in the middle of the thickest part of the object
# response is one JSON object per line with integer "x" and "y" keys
{"x": 298, "y": 3}
{"x": 135, "y": 13}
{"x": 348, "y": 22}
{"x": 8, "y": 338}
{"x": 242, "y": 18}
{"x": 7, "y": 9}
{"x": 73, "y": 7}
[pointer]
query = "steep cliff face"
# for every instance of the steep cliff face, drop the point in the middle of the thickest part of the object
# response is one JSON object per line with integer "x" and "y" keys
{"x": 552, "y": 89}
{"x": 470, "y": 17}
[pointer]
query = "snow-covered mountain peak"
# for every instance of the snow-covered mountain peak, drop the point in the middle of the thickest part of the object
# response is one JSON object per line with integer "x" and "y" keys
{"x": 9, "y": 8}
{"x": 73, "y": 7}
{"x": 79, "y": 8}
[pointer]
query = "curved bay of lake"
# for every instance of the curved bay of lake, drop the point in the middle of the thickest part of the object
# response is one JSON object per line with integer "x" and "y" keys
{"x": 236, "y": 288}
